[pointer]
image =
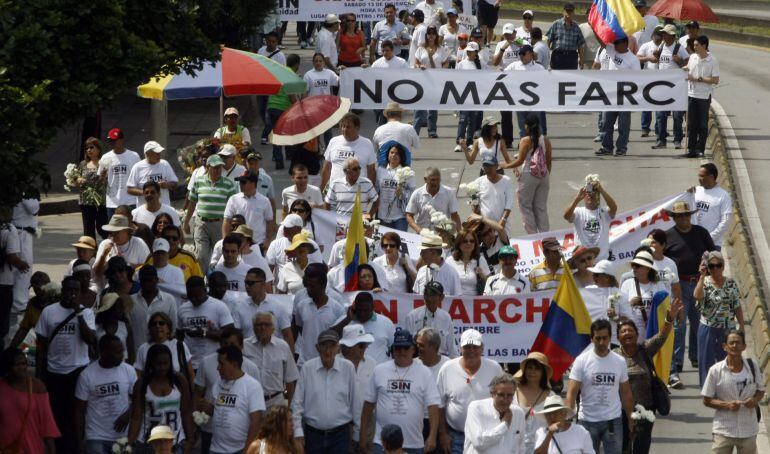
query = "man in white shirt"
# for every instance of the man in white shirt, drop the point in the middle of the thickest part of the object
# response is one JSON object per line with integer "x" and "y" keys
{"x": 390, "y": 60}
{"x": 428, "y": 342}
{"x": 434, "y": 11}
{"x": 120, "y": 243}
{"x": 254, "y": 207}
{"x": 457, "y": 389}
{"x": 432, "y": 194}
{"x": 646, "y": 56}
{"x": 495, "y": 191}
{"x": 231, "y": 266}
{"x": 152, "y": 168}
{"x": 114, "y": 167}
{"x": 495, "y": 425}
{"x": 692, "y": 29}
{"x": 265, "y": 185}
{"x": 353, "y": 345}
{"x": 238, "y": 404}
{"x": 271, "y": 49}
{"x": 325, "y": 42}
{"x": 342, "y": 192}
{"x": 361, "y": 312}
{"x": 395, "y": 129}
{"x": 103, "y": 398}
{"x": 300, "y": 190}
{"x": 592, "y": 221}
{"x": 644, "y": 35}
{"x": 508, "y": 281}
{"x": 349, "y": 144}
{"x": 432, "y": 316}
{"x": 24, "y": 218}
{"x": 435, "y": 268}
{"x": 10, "y": 244}
{"x": 670, "y": 55}
{"x": 702, "y": 76}
{"x": 232, "y": 169}
{"x": 714, "y": 204}
{"x": 170, "y": 277}
{"x": 202, "y": 318}
{"x": 601, "y": 377}
{"x": 152, "y": 207}
{"x": 417, "y": 17}
{"x": 388, "y": 29}
{"x": 507, "y": 50}
{"x": 258, "y": 300}
{"x": 275, "y": 360}
{"x": 149, "y": 300}
{"x": 323, "y": 405}
{"x": 401, "y": 391}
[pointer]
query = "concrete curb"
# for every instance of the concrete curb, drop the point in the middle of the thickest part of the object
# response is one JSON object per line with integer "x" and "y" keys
{"x": 745, "y": 240}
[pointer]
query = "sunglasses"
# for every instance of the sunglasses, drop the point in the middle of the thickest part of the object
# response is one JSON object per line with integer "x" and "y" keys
{"x": 389, "y": 245}
{"x": 713, "y": 266}
{"x": 158, "y": 323}
{"x": 250, "y": 283}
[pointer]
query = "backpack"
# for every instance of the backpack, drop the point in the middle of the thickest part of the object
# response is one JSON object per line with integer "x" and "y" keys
{"x": 537, "y": 163}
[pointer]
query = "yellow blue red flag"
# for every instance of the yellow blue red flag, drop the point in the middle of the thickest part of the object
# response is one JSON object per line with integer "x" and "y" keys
{"x": 658, "y": 311}
{"x": 614, "y": 19}
{"x": 355, "y": 246}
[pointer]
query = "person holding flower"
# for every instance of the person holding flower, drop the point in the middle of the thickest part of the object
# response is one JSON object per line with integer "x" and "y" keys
{"x": 592, "y": 221}
{"x": 395, "y": 183}
{"x": 91, "y": 189}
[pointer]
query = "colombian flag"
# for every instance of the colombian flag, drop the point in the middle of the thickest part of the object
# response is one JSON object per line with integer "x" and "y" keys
{"x": 614, "y": 19}
{"x": 355, "y": 246}
{"x": 566, "y": 331}
{"x": 658, "y": 311}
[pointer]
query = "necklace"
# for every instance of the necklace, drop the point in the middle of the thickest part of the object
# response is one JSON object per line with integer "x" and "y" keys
{"x": 402, "y": 376}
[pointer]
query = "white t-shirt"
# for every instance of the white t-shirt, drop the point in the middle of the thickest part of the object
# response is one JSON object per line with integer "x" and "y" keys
{"x": 495, "y": 198}
{"x": 402, "y": 133}
{"x": 107, "y": 391}
{"x": 524, "y": 34}
{"x": 234, "y": 402}
{"x": 402, "y": 395}
{"x": 625, "y": 61}
{"x": 644, "y": 35}
{"x": 648, "y": 50}
{"x": 143, "y": 171}
{"x": 67, "y": 350}
{"x": 628, "y": 289}
{"x": 715, "y": 207}
{"x": 392, "y": 208}
{"x": 257, "y": 210}
{"x": 498, "y": 284}
{"x": 701, "y": 67}
{"x": 423, "y": 56}
{"x": 518, "y": 65}
{"x": 171, "y": 280}
{"x": 313, "y": 321}
{"x": 327, "y": 46}
{"x": 431, "y": 11}
{"x": 592, "y": 228}
{"x": 668, "y": 272}
{"x": 245, "y": 310}
{"x": 444, "y": 201}
{"x": 321, "y": 82}
{"x": 142, "y": 215}
{"x": 211, "y": 314}
{"x": 418, "y": 37}
{"x": 394, "y": 63}
{"x": 10, "y": 244}
{"x": 467, "y": 273}
{"x": 118, "y": 167}
{"x": 339, "y": 149}
{"x": 446, "y": 275}
{"x": 600, "y": 379}
{"x": 235, "y": 276}
{"x": 275, "y": 55}
{"x": 510, "y": 54}
{"x": 543, "y": 54}
{"x": 602, "y": 58}
{"x": 575, "y": 440}
{"x": 312, "y": 194}
{"x": 382, "y": 330}
{"x": 449, "y": 42}
{"x": 665, "y": 61}
{"x": 172, "y": 344}
{"x": 457, "y": 390}
{"x": 135, "y": 251}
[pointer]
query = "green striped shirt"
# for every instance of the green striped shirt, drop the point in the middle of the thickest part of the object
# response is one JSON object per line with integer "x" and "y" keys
{"x": 211, "y": 198}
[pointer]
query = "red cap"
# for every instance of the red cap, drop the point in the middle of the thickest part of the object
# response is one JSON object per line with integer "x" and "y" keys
{"x": 115, "y": 134}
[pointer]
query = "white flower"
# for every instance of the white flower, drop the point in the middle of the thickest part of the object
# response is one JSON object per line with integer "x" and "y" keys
{"x": 52, "y": 288}
{"x": 403, "y": 175}
{"x": 200, "y": 417}
{"x": 614, "y": 298}
{"x": 434, "y": 267}
{"x": 38, "y": 232}
{"x": 116, "y": 448}
{"x": 642, "y": 413}
{"x": 463, "y": 186}
{"x": 592, "y": 178}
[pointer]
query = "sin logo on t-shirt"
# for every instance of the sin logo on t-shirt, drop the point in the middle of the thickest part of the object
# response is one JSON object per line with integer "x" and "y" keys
{"x": 121, "y": 169}
{"x": 227, "y": 400}
{"x": 156, "y": 177}
{"x": 69, "y": 328}
{"x": 702, "y": 206}
{"x": 604, "y": 379}
{"x": 591, "y": 225}
{"x": 400, "y": 386}
{"x": 196, "y": 322}
{"x": 107, "y": 389}
{"x": 233, "y": 285}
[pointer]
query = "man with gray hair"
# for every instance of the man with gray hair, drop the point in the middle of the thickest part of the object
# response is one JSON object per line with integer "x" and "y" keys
{"x": 277, "y": 369}
{"x": 495, "y": 424}
{"x": 342, "y": 191}
{"x": 431, "y": 315}
{"x": 428, "y": 342}
{"x": 431, "y": 195}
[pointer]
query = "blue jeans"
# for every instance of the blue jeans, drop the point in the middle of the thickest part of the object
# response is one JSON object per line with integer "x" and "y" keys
{"x": 646, "y": 120}
{"x": 600, "y": 432}
{"x": 521, "y": 117}
{"x": 99, "y": 446}
{"x": 624, "y": 128}
{"x": 378, "y": 449}
{"x": 661, "y": 125}
{"x": 467, "y": 126}
{"x": 398, "y": 224}
{"x": 421, "y": 115}
{"x": 458, "y": 441}
{"x": 317, "y": 443}
{"x": 600, "y": 125}
{"x": 693, "y": 316}
{"x": 710, "y": 349}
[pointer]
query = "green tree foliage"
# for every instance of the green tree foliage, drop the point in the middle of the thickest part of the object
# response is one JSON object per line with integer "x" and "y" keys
{"x": 63, "y": 59}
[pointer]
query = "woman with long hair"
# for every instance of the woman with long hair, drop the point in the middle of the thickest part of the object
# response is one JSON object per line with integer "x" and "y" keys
{"x": 302, "y": 208}
{"x": 162, "y": 220}
{"x": 470, "y": 265}
{"x": 276, "y": 435}
{"x": 667, "y": 269}
{"x": 533, "y": 388}
{"x": 429, "y": 55}
{"x": 161, "y": 397}
{"x": 489, "y": 140}
{"x": 291, "y": 278}
{"x": 639, "y": 291}
{"x": 161, "y": 331}
{"x": 92, "y": 190}
{"x": 447, "y": 34}
{"x": 25, "y": 412}
{"x": 367, "y": 279}
{"x": 351, "y": 42}
{"x": 532, "y": 190}
{"x": 393, "y": 196}
{"x": 399, "y": 267}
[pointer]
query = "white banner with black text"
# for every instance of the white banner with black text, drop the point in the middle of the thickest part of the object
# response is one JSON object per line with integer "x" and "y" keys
{"x": 365, "y": 10}
{"x": 448, "y": 89}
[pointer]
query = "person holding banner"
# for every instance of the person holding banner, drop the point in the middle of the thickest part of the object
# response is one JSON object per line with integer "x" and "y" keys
{"x": 620, "y": 58}
{"x": 469, "y": 120}
{"x": 429, "y": 55}
{"x": 546, "y": 275}
{"x": 507, "y": 281}
{"x": 435, "y": 268}
{"x": 526, "y": 62}
{"x": 431, "y": 315}
{"x": 592, "y": 221}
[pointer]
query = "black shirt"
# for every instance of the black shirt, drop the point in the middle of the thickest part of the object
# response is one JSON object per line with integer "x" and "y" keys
{"x": 686, "y": 249}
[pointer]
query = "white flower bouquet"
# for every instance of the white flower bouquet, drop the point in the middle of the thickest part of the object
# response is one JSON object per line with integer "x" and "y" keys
{"x": 591, "y": 181}
{"x": 52, "y": 290}
{"x": 439, "y": 221}
{"x": 472, "y": 190}
{"x": 200, "y": 417}
{"x": 71, "y": 176}
{"x": 403, "y": 175}
{"x": 642, "y": 413}
{"x": 121, "y": 446}
{"x": 90, "y": 192}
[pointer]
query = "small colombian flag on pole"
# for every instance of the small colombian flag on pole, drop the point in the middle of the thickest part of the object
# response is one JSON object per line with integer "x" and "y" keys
{"x": 658, "y": 310}
{"x": 355, "y": 246}
{"x": 614, "y": 19}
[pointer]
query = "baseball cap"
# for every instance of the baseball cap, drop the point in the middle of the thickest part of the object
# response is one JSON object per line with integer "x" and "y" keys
{"x": 353, "y": 335}
{"x": 231, "y": 111}
{"x": 402, "y": 338}
{"x": 508, "y": 29}
{"x": 473, "y": 47}
{"x": 569, "y": 7}
{"x": 692, "y": 24}
{"x": 292, "y": 220}
{"x": 506, "y": 251}
{"x": 669, "y": 29}
{"x": 471, "y": 337}
{"x": 249, "y": 176}
{"x": 115, "y": 134}
{"x": 487, "y": 121}
{"x": 160, "y": 244}
{"x": 475, "y": 33}
{"x": 254, "y": 155}
{"x": 433, "y": 287}
{"x": 328, "y": 335}
{"x": 528, "y": 13}
{"x": 525, "y": 48}
{"x": 332, "y": 19}
{"x": 227, "y": 150}
{"x": 451, "y": 11}
{"x": 488, "y": 158}
{"x": 214, "y": 161}
{"x": 153, "y": 146}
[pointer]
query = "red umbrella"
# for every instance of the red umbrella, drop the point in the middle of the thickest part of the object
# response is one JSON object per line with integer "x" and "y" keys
{"x": 683, "y": 10}
{"x": 309, "y": 118}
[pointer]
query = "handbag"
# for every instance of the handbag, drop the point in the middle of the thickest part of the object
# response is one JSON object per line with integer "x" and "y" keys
{"x": 661, "y": 397}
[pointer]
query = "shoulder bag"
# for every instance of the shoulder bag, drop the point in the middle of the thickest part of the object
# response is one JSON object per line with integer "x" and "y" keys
{"x": 754, "y": 374}
{"x": 660, "y": 395}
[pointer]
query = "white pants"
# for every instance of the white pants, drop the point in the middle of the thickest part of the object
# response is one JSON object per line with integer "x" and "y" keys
{"x": 532, "y": 194}
{"x": 21, "y": 280}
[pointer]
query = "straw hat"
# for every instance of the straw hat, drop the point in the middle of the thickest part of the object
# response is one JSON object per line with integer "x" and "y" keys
{"x": 392, "y": 107}
{"x": 161, "y": 433}
{"x": 86, "y": 242}
{"x": 552, "y": 404}
{"x": 300, "y": 239}
{"x": 644, "y": 258}
{"x": 537, "y": 357}
{"x": 246, "y": 231}
{"x": 580, "y": 251}
{"x": 680, "y": 207}
{"x": 117, "y": 223}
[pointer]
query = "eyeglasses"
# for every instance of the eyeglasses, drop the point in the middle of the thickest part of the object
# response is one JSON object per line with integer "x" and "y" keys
{"x": 158, "y": 323}
{"x": 250, "y": 283}
{"x": 389, "y": 245}
{"x": 713, "y": 266}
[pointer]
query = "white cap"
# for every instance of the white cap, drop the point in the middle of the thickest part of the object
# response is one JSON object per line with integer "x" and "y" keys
{"x": 353, "y": 335}
{"x": 528, "y": 12}
{"x": 471, "y": 337}
{"x": 603, "y": 267}
{"x": 472, "y": 46}
{"x": 161, "y": 433}
{"x": 160, "y": 244}
{"x": 292, "y": 220}
{"x": 332, "y": 19}
{"x": 153, "y": 146}
{"x": 508, "y": 29}
{"x": 231, "y": 111}
{"x": 227, "y": 150}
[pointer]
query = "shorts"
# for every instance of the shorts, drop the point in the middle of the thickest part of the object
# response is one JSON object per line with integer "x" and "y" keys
{"x": 487, "y": 14}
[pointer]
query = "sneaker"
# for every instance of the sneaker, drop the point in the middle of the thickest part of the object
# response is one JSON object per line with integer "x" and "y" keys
{"x": 658, "y": 145}
{"x": 263, "y": 141}
{"x": 620, "y": 153}
{"x": 675, "y": 382}
{"x": 433, "y": 135}
{"x": 678, "y": 145}
{"x": 645, "y": 133}
{"x": 689, "y": 155}
{"x": 598, "y": 138}
{"x": 603, "y": 152}
{"x": 458, "y": 149}
{"x": 303, "y": 45}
